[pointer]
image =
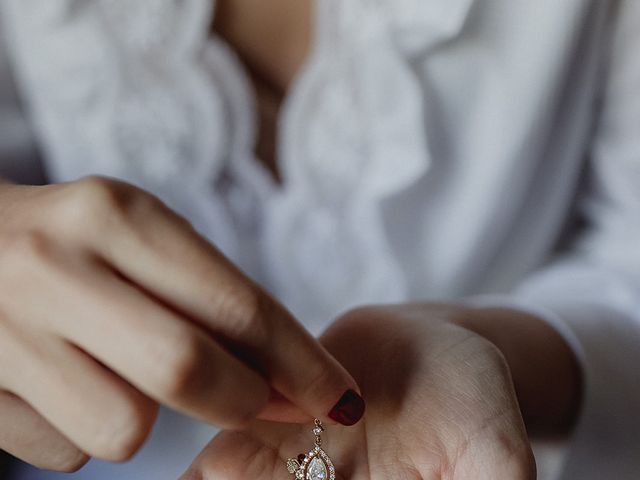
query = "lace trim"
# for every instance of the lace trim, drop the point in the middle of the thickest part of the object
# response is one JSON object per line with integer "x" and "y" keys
{"x": 355, "y": 135}
{"x": 148, "y": 105}
{"x": 138, "y": 102}
{"x": 118, "y": 88}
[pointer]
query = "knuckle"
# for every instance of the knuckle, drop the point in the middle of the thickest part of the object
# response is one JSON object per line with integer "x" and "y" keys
{"x": 356, "y": 315}
{"x": 194, "y": 473}
{"x": 245, "y": 312}
{"x": 362, "y": 317}
{"x": 496, "y": 359}
{"x": 181, "y": 367}
{"x": 521, "y": 467}
{"x": 122, "y": 435}
{"x": 487, "y": 358}
{"x": 99, "y": 201}
{"x": 32, "y": 260}
{"x": 362, "y": 312}
{"x": 517, "y": 459}
{"x": 24, "y": 251}
{"x": 69, "y": 461}
{"x": 31, "y": 245}
{"x": 97, "y": 193}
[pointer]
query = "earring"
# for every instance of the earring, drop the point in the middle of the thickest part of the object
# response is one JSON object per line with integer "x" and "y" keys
{"x": 315, "y": 465}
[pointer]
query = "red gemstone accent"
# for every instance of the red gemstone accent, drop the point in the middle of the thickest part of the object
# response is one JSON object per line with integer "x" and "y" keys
{"x": 349, "y": 409}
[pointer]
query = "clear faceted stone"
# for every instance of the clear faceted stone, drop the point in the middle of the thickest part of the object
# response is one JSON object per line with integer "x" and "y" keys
{"x": 292, "y": 465}
{"x": 317, "y": 470}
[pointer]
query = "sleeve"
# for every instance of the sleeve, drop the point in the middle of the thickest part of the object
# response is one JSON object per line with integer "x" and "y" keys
{"x": 592, "y": 293}
{"x": 19, "y": 157}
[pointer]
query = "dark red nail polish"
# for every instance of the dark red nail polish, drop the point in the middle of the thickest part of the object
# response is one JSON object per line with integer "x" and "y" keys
{"x": 349, "y": 409}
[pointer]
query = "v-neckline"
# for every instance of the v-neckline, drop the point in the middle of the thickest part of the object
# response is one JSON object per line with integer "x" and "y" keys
{"x": 269, "y": 102}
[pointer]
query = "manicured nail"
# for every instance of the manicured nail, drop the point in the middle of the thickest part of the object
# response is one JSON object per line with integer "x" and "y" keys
{"x": 349, "y": 409}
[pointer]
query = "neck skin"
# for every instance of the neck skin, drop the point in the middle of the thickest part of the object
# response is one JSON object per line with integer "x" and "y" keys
{"x": 272, "y": 37}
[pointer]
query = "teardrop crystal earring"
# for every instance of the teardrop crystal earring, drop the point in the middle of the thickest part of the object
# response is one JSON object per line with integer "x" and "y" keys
{"x": 315, "y": 465}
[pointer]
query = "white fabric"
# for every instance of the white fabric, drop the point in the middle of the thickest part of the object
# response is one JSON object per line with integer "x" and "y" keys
{"x": 429, "y": 149}
{"x": 19, "y": 159}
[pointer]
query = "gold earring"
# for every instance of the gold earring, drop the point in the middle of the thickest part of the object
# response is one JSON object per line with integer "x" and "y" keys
{"x": 315, "y": 465}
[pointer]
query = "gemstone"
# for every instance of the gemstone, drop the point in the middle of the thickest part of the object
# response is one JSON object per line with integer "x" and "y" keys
{"x": 293, "y": 465}
{"x": 317, "y": 470}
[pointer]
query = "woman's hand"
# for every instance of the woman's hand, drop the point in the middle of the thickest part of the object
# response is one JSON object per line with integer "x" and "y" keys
{"x": 440, "y": 405}
{"x": 110, "y": 304}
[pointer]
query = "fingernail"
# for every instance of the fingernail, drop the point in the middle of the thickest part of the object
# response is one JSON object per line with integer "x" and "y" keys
{"x": 349, "y": 409}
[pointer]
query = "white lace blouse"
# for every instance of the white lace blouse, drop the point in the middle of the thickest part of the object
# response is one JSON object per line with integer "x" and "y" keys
{"x": 430, "y": 149}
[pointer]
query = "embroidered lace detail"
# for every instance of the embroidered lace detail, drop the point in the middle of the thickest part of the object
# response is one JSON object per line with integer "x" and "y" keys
{"x": 418, "y": 25}
{"x": 134, "y": 90}
{"x": 355, "y": 136}
{"x": 116, "y": 88}
{"x": 122, "y": 89}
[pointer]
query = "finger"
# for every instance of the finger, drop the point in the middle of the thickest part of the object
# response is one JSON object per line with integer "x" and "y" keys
{"x": 259, "y": 453}
{"x": 503, "y": 452}
{"x": 500, "y": 463}
{"x": 100, "y": 413}
{"x": 238, "y": 456}
{"x": 153, "y": 348}
{"x": 281, "y": 409}
{"x": 26, "y": 435}
{"x": 162, "y": 354}
{"x": 165, "y": 256}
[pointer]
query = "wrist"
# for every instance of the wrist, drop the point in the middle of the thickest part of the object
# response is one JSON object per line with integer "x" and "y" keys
{"x": 545, "y": 370}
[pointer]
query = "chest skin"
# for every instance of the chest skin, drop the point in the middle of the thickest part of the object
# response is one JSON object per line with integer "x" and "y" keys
{"x": 273, "y": 40}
